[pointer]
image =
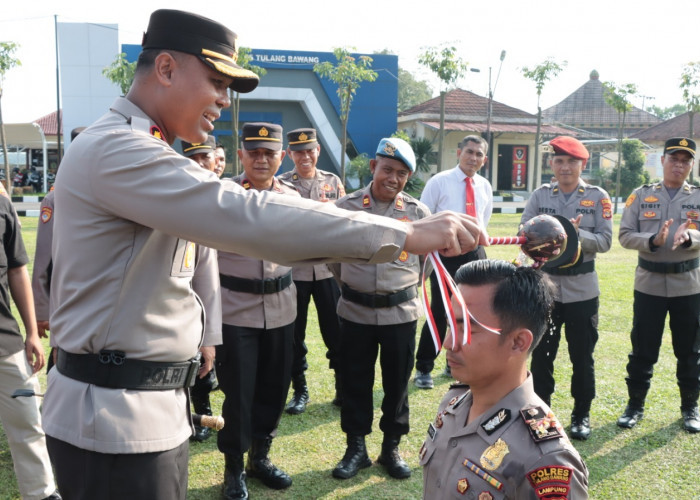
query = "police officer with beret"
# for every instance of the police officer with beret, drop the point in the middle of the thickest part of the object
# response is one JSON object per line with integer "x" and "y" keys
{"x": 661, "y": 221}
{"x": 254, "y": 361}
{"x": 125, "y": 320}
{"x": 378, "y": 309}
{"x": 312, "y": 280}
{"x": 493, "y": 437}
{"x": 576, "y": 305}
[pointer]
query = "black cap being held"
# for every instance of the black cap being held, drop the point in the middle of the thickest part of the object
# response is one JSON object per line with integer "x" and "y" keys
{"x": 262, "y": 135}
{"x": 213, "y": 43}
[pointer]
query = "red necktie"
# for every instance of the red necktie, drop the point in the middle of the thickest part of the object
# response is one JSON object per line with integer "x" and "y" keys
{"x": 471, "y": 206}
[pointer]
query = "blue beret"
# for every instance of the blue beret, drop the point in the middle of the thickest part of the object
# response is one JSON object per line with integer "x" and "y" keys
{"x": 391, "y": 147}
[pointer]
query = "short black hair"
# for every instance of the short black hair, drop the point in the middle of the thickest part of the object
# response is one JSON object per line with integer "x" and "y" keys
{"x": 524, "y": 297}
{"x": 474, "y": 138}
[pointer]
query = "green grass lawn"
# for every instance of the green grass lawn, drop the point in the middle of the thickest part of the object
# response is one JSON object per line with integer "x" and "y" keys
{"x": 656, "y": 459}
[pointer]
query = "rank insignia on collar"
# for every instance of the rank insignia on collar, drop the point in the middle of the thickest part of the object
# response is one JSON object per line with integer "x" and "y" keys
{"x": 295, "y": 177}
{"x": 686, "y": 188}
{"x": 542, "y": 426}
{"x": 245, "y": 183}
{"x": 462, "y": 485}
{"x": 496, "y": 420}
{"x": 399, "y": 203}
{"x": 156, "y": 132}
{"x": 485, "y": 495}
{"x": 365, "y": 201}
{"x": 581, "y": 190}
{"x": 555, "y": 190}
{"x": 493, "y": 456}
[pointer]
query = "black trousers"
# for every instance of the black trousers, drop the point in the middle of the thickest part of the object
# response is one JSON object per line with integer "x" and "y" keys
{"x": 254, "y": 370}
{"x": 359, "y": 346}
{"x": 88, "y": 475}
{"x": 580, "y": 321}
{"x": 325, "y": 294}
{"x": 647, "y": 330}
{"x": 425, "y": 356}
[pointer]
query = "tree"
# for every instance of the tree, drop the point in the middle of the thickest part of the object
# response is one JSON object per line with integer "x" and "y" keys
{"x": 632, "y": 174}
{"x": 690, "y": 85}
{"x": 121, "y": 72}
{"x": 412, "y": 91}
{"x": 449, "y": 68}
{"x": 667, "y": 113}
{"x": 7, "y": 62}
{"x": 618, "y": 98}
{"x": 359, "y": 168}
{"x": 348, "y": 73}
{"x": 244, "y": 61}
{"x": 540, "y": 75}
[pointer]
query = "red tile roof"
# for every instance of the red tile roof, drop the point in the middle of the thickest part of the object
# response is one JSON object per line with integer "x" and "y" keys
{"x": 48, "y": 123}
{"x": 469, "y": 105}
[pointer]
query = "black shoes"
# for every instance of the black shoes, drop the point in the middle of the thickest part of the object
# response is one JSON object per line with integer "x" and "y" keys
{"x": 234, "y": 478}
{"x": 633, "y": 414}
{"x": 260, "y": 467}
{"x": 54, "y": 496}
{"x": 300, "y": 398}
{"x": 423, "y": 380}
{"x": 691, "y": 419}
{"x": 391, "y": 460}
{"x": 580, "y": 426}
{"x": 355, "y": 458}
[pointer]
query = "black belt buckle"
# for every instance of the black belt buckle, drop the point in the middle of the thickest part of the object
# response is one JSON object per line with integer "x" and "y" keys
{"x": 193, "y": 370}
{"x": 272, "y": 285}
{"x": 108, "y": 357}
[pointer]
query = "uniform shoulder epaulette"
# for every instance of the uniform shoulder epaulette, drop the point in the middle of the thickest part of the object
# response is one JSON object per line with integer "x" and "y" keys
{"x": 542, "y": 424}
{"x": 287, "y": 183}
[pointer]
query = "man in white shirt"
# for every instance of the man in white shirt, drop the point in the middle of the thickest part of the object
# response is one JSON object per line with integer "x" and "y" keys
{"x": 462, "y": 190}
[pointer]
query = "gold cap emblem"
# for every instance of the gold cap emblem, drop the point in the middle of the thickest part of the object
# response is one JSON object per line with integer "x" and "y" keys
{"x": 389, "y": 149}
{"x": 263, "y": 132}
{"x": 683, "y": 142}
{"x": 303, "y": 136}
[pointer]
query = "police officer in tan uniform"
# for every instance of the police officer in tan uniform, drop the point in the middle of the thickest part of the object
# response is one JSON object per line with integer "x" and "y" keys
{"x": 493, "y": 437}
{"x": 661, "y": 221}
{"x": 576, "y": 305}
{"x": 259, "y": 307}
{"x": 378, "y": 309}
{"x": 125, "y": 319}
{"x": 313, "y": 280}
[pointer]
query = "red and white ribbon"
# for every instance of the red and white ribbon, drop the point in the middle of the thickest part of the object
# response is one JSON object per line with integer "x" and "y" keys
{"x": 446, "y": 283}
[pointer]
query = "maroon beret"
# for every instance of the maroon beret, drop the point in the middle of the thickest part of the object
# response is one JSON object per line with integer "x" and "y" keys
{"x": 565, "y": 145}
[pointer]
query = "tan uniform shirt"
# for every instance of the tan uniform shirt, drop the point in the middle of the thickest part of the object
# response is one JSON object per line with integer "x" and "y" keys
{"x": 525, "y": 458}
{"x": 271, "y": 310}
{"x": 594, "y": 231}
{"x": 645, "y": 211}
{"x": 41, "y": 274}
{"x": 382, "y": 279}
{"x": 129, "y": 205}
{"x": 324, "y": 187}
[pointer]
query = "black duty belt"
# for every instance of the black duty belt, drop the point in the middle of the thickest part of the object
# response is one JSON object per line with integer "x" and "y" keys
{"x": 377, "y": 301}
{"x": 669, "y": 267}
{"x": 114, "y": 370}
{"x": 258, "y": 287}
{"x": 586, "y": 267}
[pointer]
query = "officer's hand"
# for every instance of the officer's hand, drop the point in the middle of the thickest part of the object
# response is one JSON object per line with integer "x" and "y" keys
{"x": 43, "y": 327}
{"x": 682, "y": 235}
{"x": 35, "y": 353}
{"x": 660, "y": 238}
{"x": 448, "y": 232}
{"x": 208, "y": 355}
{"x": 576, "y": 221}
